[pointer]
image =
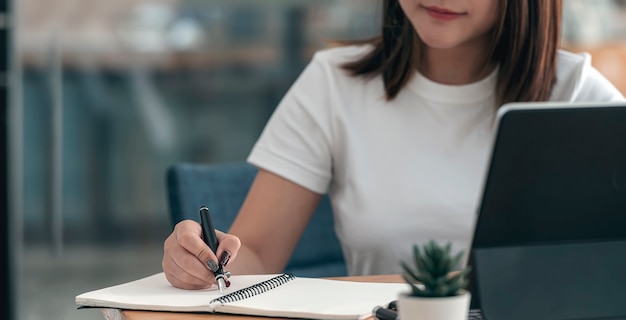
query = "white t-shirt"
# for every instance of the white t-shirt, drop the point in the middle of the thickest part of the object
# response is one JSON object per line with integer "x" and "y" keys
{"x": 398, "y": 172}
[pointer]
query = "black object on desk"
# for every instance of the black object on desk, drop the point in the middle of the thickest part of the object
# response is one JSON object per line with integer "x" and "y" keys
{"x": 210, "y": 238}
{"x": 384, "y": 314}
{"x": 550, "y": 237}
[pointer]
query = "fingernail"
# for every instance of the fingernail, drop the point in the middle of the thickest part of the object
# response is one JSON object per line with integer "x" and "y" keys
{"x": 212, "y": 265}
{"x": 224, "y": 257}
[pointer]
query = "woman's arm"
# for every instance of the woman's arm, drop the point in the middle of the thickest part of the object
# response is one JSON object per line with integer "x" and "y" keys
{"x": 270, "y": 223}
{"x": 261, "y": 239}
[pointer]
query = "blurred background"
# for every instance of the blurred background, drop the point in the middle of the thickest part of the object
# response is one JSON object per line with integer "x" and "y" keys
{"x": 106, "y": 94}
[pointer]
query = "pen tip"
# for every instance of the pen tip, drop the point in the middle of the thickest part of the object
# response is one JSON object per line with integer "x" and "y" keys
{"x": 220, "y": 285}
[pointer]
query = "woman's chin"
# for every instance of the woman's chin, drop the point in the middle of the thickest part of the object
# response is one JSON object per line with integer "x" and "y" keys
{"x": 439, "y": 43}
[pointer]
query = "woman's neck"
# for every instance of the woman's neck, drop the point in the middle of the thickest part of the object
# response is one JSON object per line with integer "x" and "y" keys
{"x": 456, "y": 66}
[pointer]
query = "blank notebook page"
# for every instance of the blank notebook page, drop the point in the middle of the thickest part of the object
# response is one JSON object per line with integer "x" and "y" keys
{"x": 296, "y": 297}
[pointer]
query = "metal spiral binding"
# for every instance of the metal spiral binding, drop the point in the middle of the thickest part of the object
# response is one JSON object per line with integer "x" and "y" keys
{"x": 255, "y": 289}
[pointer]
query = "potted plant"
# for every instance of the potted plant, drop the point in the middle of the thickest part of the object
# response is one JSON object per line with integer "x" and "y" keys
{"x": 438, "y": 290}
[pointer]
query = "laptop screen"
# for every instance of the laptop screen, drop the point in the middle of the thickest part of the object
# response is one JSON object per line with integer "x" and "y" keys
{"x": 550, "y": 236}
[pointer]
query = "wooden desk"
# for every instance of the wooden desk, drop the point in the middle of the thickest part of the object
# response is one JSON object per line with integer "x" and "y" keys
{"x": 114, "y": 314}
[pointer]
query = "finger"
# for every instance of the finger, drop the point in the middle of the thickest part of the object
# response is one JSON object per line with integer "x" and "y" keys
{"x": 181, "y": 279}
{"x": 228, "y": 243}
{"x": 175, "y": 248}
{"x": 177, "y": 260}
{"x": 188, "y": 236}
{"x": 188, "y": 268}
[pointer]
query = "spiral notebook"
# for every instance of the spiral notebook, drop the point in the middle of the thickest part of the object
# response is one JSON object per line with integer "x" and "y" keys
{"x": 277, "y": 295}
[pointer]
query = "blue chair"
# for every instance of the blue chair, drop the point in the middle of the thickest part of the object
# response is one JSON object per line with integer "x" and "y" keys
{"x": 223, "y": 188}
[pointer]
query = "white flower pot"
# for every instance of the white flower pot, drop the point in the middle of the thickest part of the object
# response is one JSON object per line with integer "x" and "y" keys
{"x": 445, "y": 308}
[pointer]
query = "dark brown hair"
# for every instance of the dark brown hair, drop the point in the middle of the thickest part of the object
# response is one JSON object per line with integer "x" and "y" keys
{"x": 524, "y": 45}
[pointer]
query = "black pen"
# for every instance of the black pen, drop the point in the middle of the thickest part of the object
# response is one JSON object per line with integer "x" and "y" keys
{"x": 385, "y": 314}
{"x": 210, "y": 238}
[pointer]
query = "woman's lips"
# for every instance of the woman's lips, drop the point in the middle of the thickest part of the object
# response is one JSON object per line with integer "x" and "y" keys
{"x": 442, "y": 13}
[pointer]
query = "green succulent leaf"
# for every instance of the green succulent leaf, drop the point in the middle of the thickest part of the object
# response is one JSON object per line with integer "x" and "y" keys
{"x": 431, "y": 275}
{"x": 455, "y": 287}
{"x": 425, "y": 264}
{"x": 456, "y": 260}
{"x": 412, "y": 276}
{"x": 410, "y": 273}
{"x": 415, "y": 289}
{"x": 461, "y": 274}
{"x": 439, "y": 282}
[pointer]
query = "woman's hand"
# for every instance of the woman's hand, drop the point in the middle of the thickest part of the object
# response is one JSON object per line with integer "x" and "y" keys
{"x": 185, "y": 255}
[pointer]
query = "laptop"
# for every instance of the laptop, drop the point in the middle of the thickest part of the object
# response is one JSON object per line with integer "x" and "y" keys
{"x": 550, "y": 234}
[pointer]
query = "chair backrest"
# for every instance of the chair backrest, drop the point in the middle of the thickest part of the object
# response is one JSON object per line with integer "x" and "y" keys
{"x": 223, "y": 188}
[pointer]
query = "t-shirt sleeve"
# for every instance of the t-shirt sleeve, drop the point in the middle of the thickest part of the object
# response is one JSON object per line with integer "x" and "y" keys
{"x": 596, "y": 87}
{"x": 581, "y": 82}
{"x": 295, "y": 143}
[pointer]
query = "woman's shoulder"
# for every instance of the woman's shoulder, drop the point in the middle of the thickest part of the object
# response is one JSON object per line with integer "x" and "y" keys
{"x": 570, "y": 64}
{"x": 578, "y": 80}
{"x": 328, "y": 63}
{"x": 570, "y": 58}
{"x": 341, "y": 54}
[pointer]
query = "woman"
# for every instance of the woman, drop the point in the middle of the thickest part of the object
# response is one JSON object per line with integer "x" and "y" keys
{"x": 397, "y": 130}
